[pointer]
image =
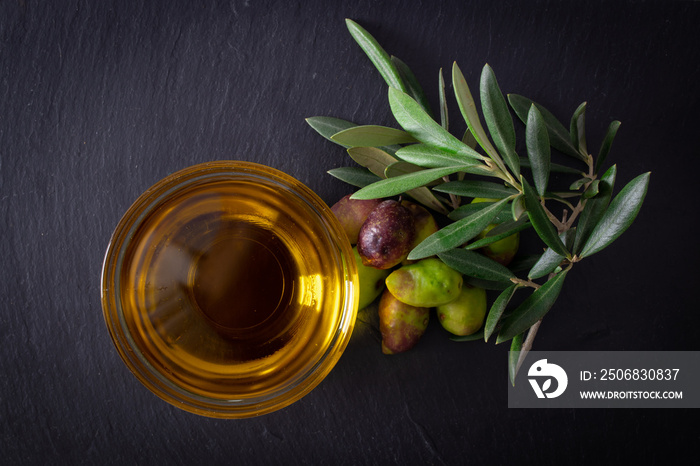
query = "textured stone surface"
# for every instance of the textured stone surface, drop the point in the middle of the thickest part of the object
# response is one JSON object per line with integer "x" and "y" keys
{"x": 99, "y": 100}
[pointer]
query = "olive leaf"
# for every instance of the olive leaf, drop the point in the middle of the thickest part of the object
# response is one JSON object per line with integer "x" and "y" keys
{"x": 533, "y": 308}
{"x": 355, "y": 176}
{"x": 371, "y": 136}
{"x": 375, "y": 159}
{"x": 619, "y": 215}
{"x": 592, "y": 189}
{"x": 544, "y": 228}
{"x": 421, "y": 126}
{"x": 514, "y": 356}
{"x": 559, "y": 137}
{"x": 537, "y": 142}
{"x": 607, "y": 144}
{"x": 467, "y": 106}
{"x": 413, "y": 87}
{"x": 475, "y": 265}
{"x": 517, "y": 207}
{"x": 595, "y": 207}
{"x": 550, "y": 260}
{"x": 328, "y": 126}
{"x": 376, "y": 54}
{"x": 577, "y": 129}
{"x": 468, "y": 209}
{"x": 472, "y": 188}
{"x": 496, "y": 311}
{"x": 500, "y": 232}
{"x": 432, "y": 157}
{"x": 444, "y": 116}
{"x": 457, "y": 233}
{"x": 400, "y": 168}
{"x": 402, "y": 183}
{"x": 498, "y": 119}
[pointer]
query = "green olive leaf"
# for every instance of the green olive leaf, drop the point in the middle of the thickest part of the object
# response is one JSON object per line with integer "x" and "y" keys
{"x": 577, "y": 129}
{"x": 538, "y": 152}
{"x": 550, "y": 260}
{"x": 328, "y": 126}
{"x": 371, "y": 136}
{"x": 468, "y": 209}
{"x": 592, "y": 189}
{"x": 457, "y": 233}
{"x": 355, "y": 176}
{"x": 400, "y": 168}
{"x": 474, "y": 264}
{"x": 432, "y": 157}
{"x": 503, "y": 230}
{"x": 471, "y": 116}
{"x": 496, "y": 311}
{"x": 413, "y": 87}
{"x": 607, "y": 144}
{"x": 376, "y": 54}
{"x": 517, "y": 207}
{"x": 475, "y": 188}
{"x": 544, "y": 228}
{"x": 444, "y": 115}
{"x": 498, "y": 119}
{"x": 594, "y": 209}
{"x": 559, "y": 137}
{"x": 402, "y": 183}
{"x": 375, "y": 159}
{"x": 619, "y": 215}
{"x": 533, "y": 308}
{"x": 514, "y": 356}
{"x": 420, "y": 125}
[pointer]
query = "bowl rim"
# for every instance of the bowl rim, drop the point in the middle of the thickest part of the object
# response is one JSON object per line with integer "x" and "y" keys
{"x": 145, "y": 372}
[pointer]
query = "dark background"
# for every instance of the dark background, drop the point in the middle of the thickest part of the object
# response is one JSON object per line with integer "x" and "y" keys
{"x": 99, "y": 100}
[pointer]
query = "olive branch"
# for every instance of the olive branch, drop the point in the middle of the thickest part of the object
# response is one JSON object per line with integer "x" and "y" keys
{"x": 426, "y": 162}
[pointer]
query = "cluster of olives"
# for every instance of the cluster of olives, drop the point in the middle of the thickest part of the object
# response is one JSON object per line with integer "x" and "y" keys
{"x": 383, "y": 233}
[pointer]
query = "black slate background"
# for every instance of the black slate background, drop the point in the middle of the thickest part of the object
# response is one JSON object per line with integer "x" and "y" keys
{"x": 99, "y": 100}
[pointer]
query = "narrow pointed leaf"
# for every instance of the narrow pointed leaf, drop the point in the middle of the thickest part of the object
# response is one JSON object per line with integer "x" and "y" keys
{"x": 592, "y": 189}
{"x": 376, "y": 160}
{"x": 431, "y": 157}
{"x": 426, "y": 197}
{"x": 474, "y": 188}
{"x": 538, "y": 151}
{"x": 444, "y": 115}
{"x": 420, "y": 125}
{"x": 607, "y": 144}
{"x": 401, "y": 168}
{"x": 471, "y": 116}
{"x": 413, "y": 87}
{"x": 328, "y": 126}
{"x": 532, "y": 309}
{"x": 619, "y": 215}
{"x": 402, "y": 183}
{"x": 376, "y": 54}
{"x": 544, "y": 228}
{"x": 550, "y": 260}
{"x": 456, "y": 233}
{"x": 498, "y": 119}
{"x": 500, "y": 232}
{"x": 594, "y": 209}
{"x": 514, "y": 356}
{"x": 517, "y": 207}
{"x": 371, "y": 136}
{"x": 468, "y": 209}
{"x": 577, "y": 129}
{"x": 474, "y": 264}
{"x": 559, "y": 136}
{"x": 496, "y": 311}
{"x": 356, "y": 176}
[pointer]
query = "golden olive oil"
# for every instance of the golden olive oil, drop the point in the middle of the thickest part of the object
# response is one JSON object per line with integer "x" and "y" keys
{"x": 229, "y": 290}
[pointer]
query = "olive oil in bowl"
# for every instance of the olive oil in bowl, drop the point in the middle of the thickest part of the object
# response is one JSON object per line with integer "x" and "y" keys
{"x": 229, "y": 289}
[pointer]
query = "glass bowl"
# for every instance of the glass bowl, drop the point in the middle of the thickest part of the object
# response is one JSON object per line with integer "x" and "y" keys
{"x": 229, "y": 289}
